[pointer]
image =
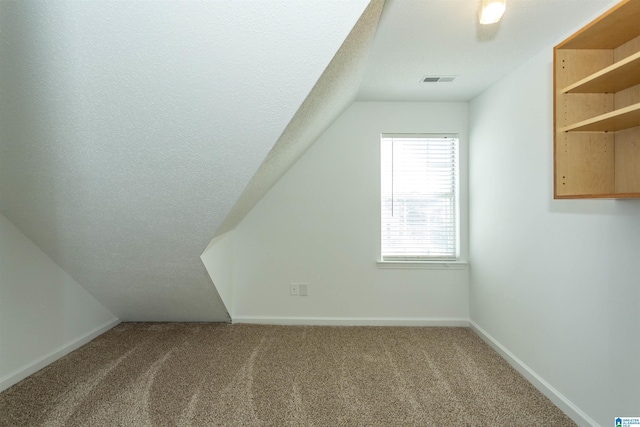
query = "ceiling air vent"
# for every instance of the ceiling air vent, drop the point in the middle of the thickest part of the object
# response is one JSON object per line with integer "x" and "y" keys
{"x": 438, "y": 79}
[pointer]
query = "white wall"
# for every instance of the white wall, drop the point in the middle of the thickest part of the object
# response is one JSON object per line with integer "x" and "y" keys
{"x": 44, "y": 313}
{"x": 556, "y": 282}
{"x": 320, "y": 224}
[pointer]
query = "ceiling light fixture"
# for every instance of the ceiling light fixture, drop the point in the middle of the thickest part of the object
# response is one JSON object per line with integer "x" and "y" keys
{"x": 492, "y": 11}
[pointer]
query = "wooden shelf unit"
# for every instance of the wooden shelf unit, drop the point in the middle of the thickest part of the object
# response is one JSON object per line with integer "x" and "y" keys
{"x": 597, "y": 108}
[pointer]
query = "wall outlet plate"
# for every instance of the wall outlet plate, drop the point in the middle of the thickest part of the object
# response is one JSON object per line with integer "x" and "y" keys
{"x": 294, "y": 289}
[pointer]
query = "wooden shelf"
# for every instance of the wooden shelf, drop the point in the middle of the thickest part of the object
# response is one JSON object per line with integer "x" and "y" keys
{"x": 597, "y": 108}
{"x": 602, "y": 196}
{"x": 621, "y": 75}
{"x": 624, "y": 118}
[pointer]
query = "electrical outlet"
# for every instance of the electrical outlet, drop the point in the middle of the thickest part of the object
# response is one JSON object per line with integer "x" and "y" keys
{"x": 294, "y": 289}
{"x": 304, "y": 289}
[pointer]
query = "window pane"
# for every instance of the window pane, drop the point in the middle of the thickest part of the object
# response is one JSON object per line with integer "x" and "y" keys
{"x": 419, "y": 197}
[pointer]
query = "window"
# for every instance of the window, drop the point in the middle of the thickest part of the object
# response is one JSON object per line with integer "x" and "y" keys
{"x": 419, "y": 197}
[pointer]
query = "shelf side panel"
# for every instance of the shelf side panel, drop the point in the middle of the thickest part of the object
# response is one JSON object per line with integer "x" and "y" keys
{"x": 573, "y": 65}
{"x": 627, "y": 49}
{"x": 583, "y": 107}
{"x": 630, "y": 95}
{"x": 627, "y": 97}
{"x": 584, "y": 164}
{"x": 627, "y": 161}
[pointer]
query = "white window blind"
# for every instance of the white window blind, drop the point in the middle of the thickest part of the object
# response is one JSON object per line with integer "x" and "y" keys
{"x": 419, "y": 197}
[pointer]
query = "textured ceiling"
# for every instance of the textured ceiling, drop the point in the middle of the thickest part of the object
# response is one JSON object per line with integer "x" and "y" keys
{"x": 443, "y": 37}
{"x": 129, "y": 130}
{"x": 333, "y": 93}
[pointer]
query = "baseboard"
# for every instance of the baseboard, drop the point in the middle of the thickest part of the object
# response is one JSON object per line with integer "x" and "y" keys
{"x": 558, "y": 399}
{"x": 33, "y": 367}
{"x": 352, "y": 321}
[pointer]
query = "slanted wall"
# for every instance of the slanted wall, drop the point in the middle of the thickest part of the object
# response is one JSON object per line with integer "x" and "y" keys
{"x": 44, "y": 313}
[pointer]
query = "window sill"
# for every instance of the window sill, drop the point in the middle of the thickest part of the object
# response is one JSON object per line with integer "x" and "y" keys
{"x": 431, "y": 265}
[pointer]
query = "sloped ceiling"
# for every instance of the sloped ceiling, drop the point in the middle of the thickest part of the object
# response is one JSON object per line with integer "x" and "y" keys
{"x": 129, "y": 130}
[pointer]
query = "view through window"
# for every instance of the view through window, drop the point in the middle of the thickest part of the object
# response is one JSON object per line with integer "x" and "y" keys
{"x": 419, "y": 197}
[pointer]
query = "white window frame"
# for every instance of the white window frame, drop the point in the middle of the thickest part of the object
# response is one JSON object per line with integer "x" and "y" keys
{"x": 425, "y": 261}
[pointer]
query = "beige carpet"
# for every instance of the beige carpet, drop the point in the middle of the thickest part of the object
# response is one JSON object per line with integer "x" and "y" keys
{"x": 247, "y": 375}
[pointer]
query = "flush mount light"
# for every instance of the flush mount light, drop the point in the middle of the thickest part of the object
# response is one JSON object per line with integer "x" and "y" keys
{"x": 492, "y": 11}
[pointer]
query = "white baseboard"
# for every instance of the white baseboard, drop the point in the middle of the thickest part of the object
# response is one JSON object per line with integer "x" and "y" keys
{"x": 352, "y": 321}
{"x": 558, "y": 399}
{"x": 33, "y": 367}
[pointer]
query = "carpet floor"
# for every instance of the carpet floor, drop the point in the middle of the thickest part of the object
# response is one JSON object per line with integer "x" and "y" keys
{"x": 176, "y": 374}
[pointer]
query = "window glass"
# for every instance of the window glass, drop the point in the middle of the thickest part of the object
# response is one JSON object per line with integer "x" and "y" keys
{"x": 419, "y": 197}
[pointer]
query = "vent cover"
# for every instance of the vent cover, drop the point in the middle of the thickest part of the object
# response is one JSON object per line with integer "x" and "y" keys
{"x": 438, "y": 79}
